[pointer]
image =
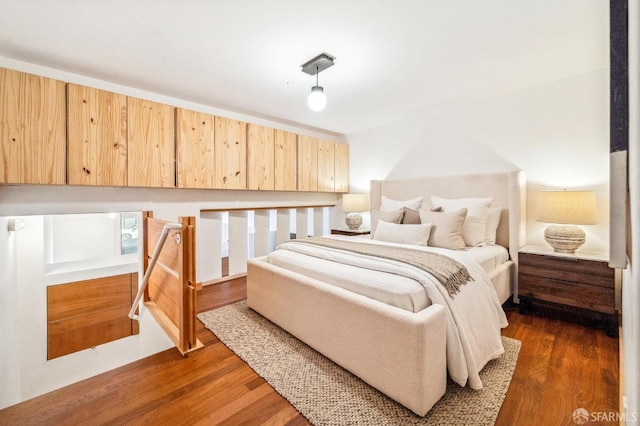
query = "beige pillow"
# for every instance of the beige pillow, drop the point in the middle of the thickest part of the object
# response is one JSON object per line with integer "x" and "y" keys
{"x": 393, "y": 216}
{"x": 474, "y": 228}
{"x": 403, "y": 234}
{"x": 446, "y": 231}
{"x": 410, "y": 217}
{"x": 493, "y": 220}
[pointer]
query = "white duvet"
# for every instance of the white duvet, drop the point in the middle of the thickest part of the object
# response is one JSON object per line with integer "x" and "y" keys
{"x": 474, "y": 315}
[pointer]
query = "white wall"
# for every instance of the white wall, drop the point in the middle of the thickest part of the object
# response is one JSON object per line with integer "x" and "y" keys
{"x": 631, "y": 277}
{"x": 558, "y": 134}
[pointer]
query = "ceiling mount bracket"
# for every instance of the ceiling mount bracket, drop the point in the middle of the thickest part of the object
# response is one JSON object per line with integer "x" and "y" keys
{"x": 318, "y": 64}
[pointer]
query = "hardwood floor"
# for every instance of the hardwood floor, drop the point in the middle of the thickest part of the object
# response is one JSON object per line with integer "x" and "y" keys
{"x": 562, "y": 366}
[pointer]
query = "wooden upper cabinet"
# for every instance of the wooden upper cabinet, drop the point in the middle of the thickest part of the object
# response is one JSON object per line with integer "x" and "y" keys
{"x": 286, "y": 160}
{"x": 260, "y": 157}
{"x": 32, "y": 129}
{"x": 230, "y": 153}
{"x": 307, "y": 163}
{"x": 342, "y": 167}
{"x": 97, "y": 137}
{"x": 151, "y": 144}
{"x": 195, "y": 149}
{"x": 326, "y": 166}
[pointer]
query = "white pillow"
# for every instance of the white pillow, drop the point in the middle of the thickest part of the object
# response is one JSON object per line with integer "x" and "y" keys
{"x": 493, "y": 220}
{"x": 474, "y": 228}
{"x": 387, "y": 204}
{"x": 404, "y": 234}
{"x": 446, "y": 229}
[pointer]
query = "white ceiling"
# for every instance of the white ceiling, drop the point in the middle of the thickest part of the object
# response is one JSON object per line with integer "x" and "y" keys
{"x": 393, "y": 58}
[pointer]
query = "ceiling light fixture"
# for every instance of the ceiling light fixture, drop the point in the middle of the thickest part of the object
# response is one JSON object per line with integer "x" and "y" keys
{"x": 317, "y": 100}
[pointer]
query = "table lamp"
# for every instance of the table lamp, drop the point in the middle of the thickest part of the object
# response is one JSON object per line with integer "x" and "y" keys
{"x": 564, "y": 210}
{"x": 353, "y": 204}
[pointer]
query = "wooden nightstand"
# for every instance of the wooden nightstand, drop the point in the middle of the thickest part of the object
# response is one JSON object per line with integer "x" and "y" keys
{"x": 347, "y": 231}
{"x": 583, "y": 282}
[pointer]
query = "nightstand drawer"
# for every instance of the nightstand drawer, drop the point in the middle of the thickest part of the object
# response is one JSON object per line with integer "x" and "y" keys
{"x": 567, "y": 269}
{"x": 595, "y": 298}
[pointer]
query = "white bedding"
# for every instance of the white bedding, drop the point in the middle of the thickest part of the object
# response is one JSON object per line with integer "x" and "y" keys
{"x": 471, "y": 342}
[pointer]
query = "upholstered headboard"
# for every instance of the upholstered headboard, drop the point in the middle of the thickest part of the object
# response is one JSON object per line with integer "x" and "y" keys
{"x": 507, "y": 190}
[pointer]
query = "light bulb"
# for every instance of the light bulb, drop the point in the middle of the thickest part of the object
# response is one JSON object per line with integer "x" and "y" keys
{"x": 317, "y": 99}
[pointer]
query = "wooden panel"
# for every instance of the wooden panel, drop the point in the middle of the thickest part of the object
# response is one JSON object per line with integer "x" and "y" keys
{"x": 575, "y": 294}
{"x": 230, "y": 154}
{"x": 195, "y": 149}
{"x": 84, "y": 297}
{"x": 151, "y": 144}
{"x": 342, "y": 167}
{"x": 32, "y": 129}
{"x": 326, "y": 165}
{"x": 260, "y": 157}
{"x": 88, "y": 313}
{"x": 286, "y": 161}
{"x": 97, "y": 137}
{"x": 567, "y": 269}
{"x": 307, "y": 163}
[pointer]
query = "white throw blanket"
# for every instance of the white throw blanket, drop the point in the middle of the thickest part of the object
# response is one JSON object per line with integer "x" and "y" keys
{"x": 474, "y": 315}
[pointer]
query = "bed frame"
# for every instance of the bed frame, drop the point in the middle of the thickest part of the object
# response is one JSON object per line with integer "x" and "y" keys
{"x": 400, "y": 353}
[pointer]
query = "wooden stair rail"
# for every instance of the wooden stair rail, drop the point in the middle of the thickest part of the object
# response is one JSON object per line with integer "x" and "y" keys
{"x": 169, "y": 286}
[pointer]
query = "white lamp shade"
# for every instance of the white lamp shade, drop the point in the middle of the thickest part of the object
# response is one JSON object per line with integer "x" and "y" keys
{"x": 317, "y": 100}
{"x": 352, "y": 203}
{"x": 567, "y": 207}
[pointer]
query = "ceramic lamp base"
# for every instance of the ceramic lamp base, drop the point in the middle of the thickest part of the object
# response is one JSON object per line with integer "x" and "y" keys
{"x": 353, "y": 221}
{"x": 564, "y": 238}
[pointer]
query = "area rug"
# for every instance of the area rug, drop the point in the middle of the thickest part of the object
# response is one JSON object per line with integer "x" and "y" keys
{"x": 327, "y": 394}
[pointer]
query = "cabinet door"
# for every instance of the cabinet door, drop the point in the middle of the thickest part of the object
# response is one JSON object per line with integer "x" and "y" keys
{"x": 194, "y": 145}
{"x": 151, "y": 144}
{"x": 326, "y": 166}
{"x": 342, "y": 168}
{"x": 32, "y": 129}
{"x": 260, "y": 157}
{"x": 286, "y": 160}
{"x": 230, "y": 153}
{"x": 307, "y": 163}
{"x": 97, "y": 136}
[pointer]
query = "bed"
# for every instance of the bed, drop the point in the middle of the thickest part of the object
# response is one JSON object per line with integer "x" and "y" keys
{"x": 403, "y": 351}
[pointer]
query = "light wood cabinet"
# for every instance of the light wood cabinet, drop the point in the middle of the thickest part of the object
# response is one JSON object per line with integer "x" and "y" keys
{"x": 260, "y": 157}
{"x": 307, "y": 163}
{"x": 88, "y": 136}
{"x": 326, "y": 166}
{"x": 195, "y": 149}
{"x": 32, "y": 129}
{"x": 230, "y": 154}
{"x": 96, "y": 137}
{"x": 84, "y": 314}
{"x": 286, "y": 153}
{"x": 341, "y": 167}
{"x": 151, "y": 144}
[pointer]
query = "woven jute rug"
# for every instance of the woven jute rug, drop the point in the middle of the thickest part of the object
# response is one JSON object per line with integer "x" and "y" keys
{"x": 327, "y": 394}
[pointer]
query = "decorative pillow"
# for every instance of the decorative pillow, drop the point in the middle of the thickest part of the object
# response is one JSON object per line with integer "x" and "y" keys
{"x": 410, "y": 217}
{"x": 474, "y": 228}
{"x": 387, "y": 204}
{"x": 393, "y": 216}
{"x": 404, "y": 234}
{"x": 446, "y": 229}
{"x": 493, "y": 220}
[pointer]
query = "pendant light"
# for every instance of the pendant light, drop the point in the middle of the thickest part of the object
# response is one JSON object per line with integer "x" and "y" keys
{"x": 317, "y": 100}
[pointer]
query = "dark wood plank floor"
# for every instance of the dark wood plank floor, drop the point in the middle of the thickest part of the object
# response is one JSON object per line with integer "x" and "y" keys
{"x": 562, "y": 366}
